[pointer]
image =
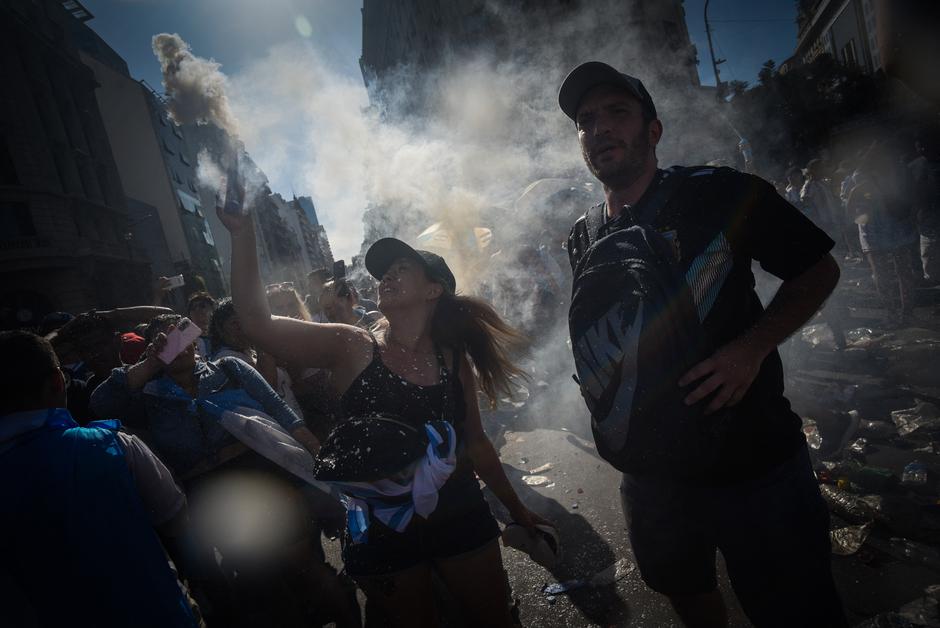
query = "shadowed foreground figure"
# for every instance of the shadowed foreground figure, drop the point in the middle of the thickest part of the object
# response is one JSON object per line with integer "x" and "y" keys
{"x": 78, "y": 509}
{"x": 743, "y": 484}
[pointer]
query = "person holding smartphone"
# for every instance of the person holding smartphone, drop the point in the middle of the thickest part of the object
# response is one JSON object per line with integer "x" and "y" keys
{"x": 174, "y": 401}
{"x": 432, "y": 351}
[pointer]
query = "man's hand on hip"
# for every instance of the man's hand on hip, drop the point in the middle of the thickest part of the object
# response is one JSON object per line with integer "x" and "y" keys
{"x": 731, "y": 370}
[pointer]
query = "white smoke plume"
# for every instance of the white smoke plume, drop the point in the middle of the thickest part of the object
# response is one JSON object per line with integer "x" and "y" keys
{"x": 195, "y": 87}
{"x": 489, "y": 126}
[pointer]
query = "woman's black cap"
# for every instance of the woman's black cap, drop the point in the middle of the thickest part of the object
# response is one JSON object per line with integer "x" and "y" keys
{"x": 384, "y": 252}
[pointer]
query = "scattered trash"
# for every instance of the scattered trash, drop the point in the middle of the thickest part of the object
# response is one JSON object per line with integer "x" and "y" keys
{"x": 580, "y": 490}
{"x": 859, "y": 445}
{"x": 874, "y": 479}
{"x": 915, "y": 474}
{"x": 613, "y": 573}
{"x": 552, "y": 485}
{"x": 860, "y": 337}
{"x": 848, "y": 540}
{"x": 535, "y": 480}
{"x": 574, "y": 506}
{"x": 877, "y": 430}
{"x": 852, "y": 508}
{"x": 551, "y": 599}
{"x": 811, "y": 432}
{"x": 819, "y": 336}
{"x": 923, "y": 416}
{"x": 542, "y": 469}
{"x": 933, "y": 447}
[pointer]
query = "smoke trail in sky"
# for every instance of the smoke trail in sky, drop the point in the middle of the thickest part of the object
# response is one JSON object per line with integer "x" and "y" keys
{"x": 195, "y": 87}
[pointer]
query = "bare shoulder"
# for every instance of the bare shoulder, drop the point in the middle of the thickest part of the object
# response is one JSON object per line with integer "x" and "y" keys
{"x": 355, "y": 349}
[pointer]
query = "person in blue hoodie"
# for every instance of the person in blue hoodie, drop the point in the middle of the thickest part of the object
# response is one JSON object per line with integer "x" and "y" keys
{"x": 80, "y": 509}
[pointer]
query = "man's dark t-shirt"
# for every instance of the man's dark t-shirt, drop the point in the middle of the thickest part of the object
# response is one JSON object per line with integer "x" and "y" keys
{"x": 733, "y": 218}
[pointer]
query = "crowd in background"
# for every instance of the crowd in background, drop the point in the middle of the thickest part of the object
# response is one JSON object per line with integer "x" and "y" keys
{"x": 110, "y": 372}
{"x": 882, "y": 206}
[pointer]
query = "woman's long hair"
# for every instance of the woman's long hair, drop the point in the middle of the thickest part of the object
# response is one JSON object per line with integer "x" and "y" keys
{"x": 224, "y": 311}
{"x": 471, "y": 326}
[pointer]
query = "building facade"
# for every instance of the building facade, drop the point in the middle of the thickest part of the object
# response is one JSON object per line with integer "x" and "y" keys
{"x": 847, "y": 30}
{"x": 422, "y": 34}
{"x": 157, "y": 164}
{"x": 64, "y": 215}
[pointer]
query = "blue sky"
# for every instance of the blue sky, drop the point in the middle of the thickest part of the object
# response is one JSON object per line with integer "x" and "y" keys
{"x": 745, "y": 32}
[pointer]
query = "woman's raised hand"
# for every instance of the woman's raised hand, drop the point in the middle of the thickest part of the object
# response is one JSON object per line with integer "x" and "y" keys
{"x": 236, "y": 223}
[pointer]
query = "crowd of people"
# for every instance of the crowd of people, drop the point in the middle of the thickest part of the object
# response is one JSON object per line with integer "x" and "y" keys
{"x": 100, "y": 379}
{"x": 181, "y": 469}
{"x": 883, "y": 206}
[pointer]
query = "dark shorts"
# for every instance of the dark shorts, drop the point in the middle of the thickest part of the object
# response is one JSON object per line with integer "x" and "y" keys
{"x": 461, "y": 524}
{"x": 773, "y": 532}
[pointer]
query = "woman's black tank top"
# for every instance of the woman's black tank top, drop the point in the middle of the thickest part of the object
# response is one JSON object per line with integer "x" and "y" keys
{"x": 377, "y": 390}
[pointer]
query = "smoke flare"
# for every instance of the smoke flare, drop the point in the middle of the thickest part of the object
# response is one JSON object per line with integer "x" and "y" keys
{"x": 195, "y": 87}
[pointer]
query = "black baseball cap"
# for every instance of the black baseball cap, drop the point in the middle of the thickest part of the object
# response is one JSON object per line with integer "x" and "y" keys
{"x": 384, "y": 252}
{"x": 593, "y": 73}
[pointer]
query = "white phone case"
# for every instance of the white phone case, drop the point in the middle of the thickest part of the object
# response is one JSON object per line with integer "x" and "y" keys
{"x": 177, "y": 340}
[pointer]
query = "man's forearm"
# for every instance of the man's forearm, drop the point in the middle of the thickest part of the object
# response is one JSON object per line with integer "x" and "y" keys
{"x": 131, "y": 316}
{"x": 796, "y": 302}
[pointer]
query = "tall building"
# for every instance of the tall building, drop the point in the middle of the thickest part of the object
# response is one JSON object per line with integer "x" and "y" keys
{"x": 157, "y": 164}
{"x": 896, "y": 38}
{"x": 844, "y": 29}
{"x": 422, "y": 34}
{"x": 63, "y": 213}
{"x": 315, "y": 241}
{"x": 408, "y": 48}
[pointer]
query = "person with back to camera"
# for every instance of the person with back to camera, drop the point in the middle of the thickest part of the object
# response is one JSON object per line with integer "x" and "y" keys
{"x": 425, "y": 363}
{"x": 713, "y": 457}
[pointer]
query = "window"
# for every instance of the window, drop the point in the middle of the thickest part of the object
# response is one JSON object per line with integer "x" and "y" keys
{"x": 193, "y": 187}
{"x": 207, "y": 234}
{"x": 187, "y": 202}
{"x": 162, "y": 119}
{"x": 184, "y": 159}
{"x": 167, "y": 147}
{"x": 176, "y": 176}
{"x": 849, "y": 56}
{"x": 176, "y": 131}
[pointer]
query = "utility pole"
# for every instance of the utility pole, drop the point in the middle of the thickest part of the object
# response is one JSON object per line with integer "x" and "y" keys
{"x": 711, "y": 51}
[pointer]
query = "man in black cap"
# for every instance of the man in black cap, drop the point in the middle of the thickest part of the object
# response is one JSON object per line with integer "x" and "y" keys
{"x": 759, "y": 503}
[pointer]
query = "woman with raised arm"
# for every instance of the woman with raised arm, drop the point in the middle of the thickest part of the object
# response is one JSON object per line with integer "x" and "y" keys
{"x": 423, "y": 364}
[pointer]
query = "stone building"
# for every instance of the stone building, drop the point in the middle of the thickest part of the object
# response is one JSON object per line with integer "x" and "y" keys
{"x": 157, "y": 164}
{"x": 63, "y": 212}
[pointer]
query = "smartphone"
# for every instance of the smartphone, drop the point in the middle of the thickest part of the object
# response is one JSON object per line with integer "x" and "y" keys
{"x": 234, "y": 190}
{"x": 176, "y": 281}
{"x": 179, "y": 339}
